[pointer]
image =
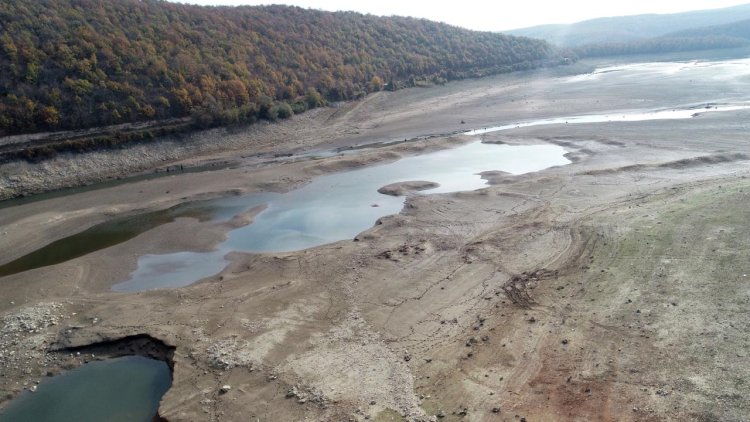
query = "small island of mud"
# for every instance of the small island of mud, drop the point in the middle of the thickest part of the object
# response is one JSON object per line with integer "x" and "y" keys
{"x": 404, "y": 188}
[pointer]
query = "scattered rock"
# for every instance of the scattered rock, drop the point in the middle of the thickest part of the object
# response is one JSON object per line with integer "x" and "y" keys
{"x": 225, "y": 389}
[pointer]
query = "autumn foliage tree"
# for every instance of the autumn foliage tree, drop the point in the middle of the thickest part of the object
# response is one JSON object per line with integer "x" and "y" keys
{"x": 68, "y": 64}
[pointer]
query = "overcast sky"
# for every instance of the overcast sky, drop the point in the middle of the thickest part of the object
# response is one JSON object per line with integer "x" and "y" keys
{"x": 496, "y": 15}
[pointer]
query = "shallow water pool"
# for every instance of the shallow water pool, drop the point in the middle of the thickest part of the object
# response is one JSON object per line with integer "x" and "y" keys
{"x": 338, "y": 206}
{"x": 125, "y": 389}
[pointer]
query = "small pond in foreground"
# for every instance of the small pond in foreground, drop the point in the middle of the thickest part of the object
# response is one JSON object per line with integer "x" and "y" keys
{"x": 126, "y": 389}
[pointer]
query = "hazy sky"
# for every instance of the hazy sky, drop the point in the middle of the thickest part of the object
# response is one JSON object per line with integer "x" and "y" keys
{"x": 496, "y": 15}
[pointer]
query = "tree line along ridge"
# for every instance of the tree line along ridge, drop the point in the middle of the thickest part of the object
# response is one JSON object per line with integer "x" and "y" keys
{"x": 73, "y": 64}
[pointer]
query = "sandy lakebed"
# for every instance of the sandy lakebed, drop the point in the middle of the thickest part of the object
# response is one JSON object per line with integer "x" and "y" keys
{"x": 611, "y": 288}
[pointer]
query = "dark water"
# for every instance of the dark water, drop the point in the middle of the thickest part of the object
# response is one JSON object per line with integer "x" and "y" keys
{"x": 114, "y": 232}
{"x": 126, "y": 389}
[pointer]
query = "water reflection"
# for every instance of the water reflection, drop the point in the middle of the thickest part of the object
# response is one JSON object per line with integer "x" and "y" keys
{"x": 339, "y": 206}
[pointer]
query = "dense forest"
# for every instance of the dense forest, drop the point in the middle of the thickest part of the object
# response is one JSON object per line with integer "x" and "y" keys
{"x": 69, "y": 64}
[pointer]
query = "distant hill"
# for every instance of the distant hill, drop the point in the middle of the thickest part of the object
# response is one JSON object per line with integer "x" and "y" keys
{"x": 732, "y": 35}
{"x": 739, "y": 29}
{"x": 631, "y": 28}
{"x": 70, "y": 64}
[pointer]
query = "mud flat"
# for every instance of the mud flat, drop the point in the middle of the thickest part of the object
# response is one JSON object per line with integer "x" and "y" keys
{"x": 403, "y": 188}
{"x": 611, "y": 288}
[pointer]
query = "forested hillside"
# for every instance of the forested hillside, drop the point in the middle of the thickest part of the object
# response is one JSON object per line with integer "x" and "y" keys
{"x": 739, "y": 29}
{"x": 733, "y": 35}
{"x": 68, "y": 64}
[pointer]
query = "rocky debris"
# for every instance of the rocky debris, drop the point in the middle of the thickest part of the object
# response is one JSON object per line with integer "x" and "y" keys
{"x": 229, "y": 353}
{"x": 225, "y": 389}
{"x": 517, "y": 288}
{"x": 304, "y": 395}
{"x": 663, "y": 392}
{"x": 32, "y": 319}
{"x": 403, "y": 251}
{"x": 24, "y": 338}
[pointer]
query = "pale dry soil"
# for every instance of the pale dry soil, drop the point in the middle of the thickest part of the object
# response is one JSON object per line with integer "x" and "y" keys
{"x": 613, "y": 288}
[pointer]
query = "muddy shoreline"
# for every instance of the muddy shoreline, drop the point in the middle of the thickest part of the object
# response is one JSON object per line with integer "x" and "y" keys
{"x": 609, "y": 288}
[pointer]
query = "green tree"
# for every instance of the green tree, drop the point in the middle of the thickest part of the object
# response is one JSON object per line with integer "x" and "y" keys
{"x": 313, "y": 98}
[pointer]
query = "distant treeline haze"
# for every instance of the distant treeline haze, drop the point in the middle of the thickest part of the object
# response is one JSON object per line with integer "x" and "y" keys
{"x": 731, "y": 35}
